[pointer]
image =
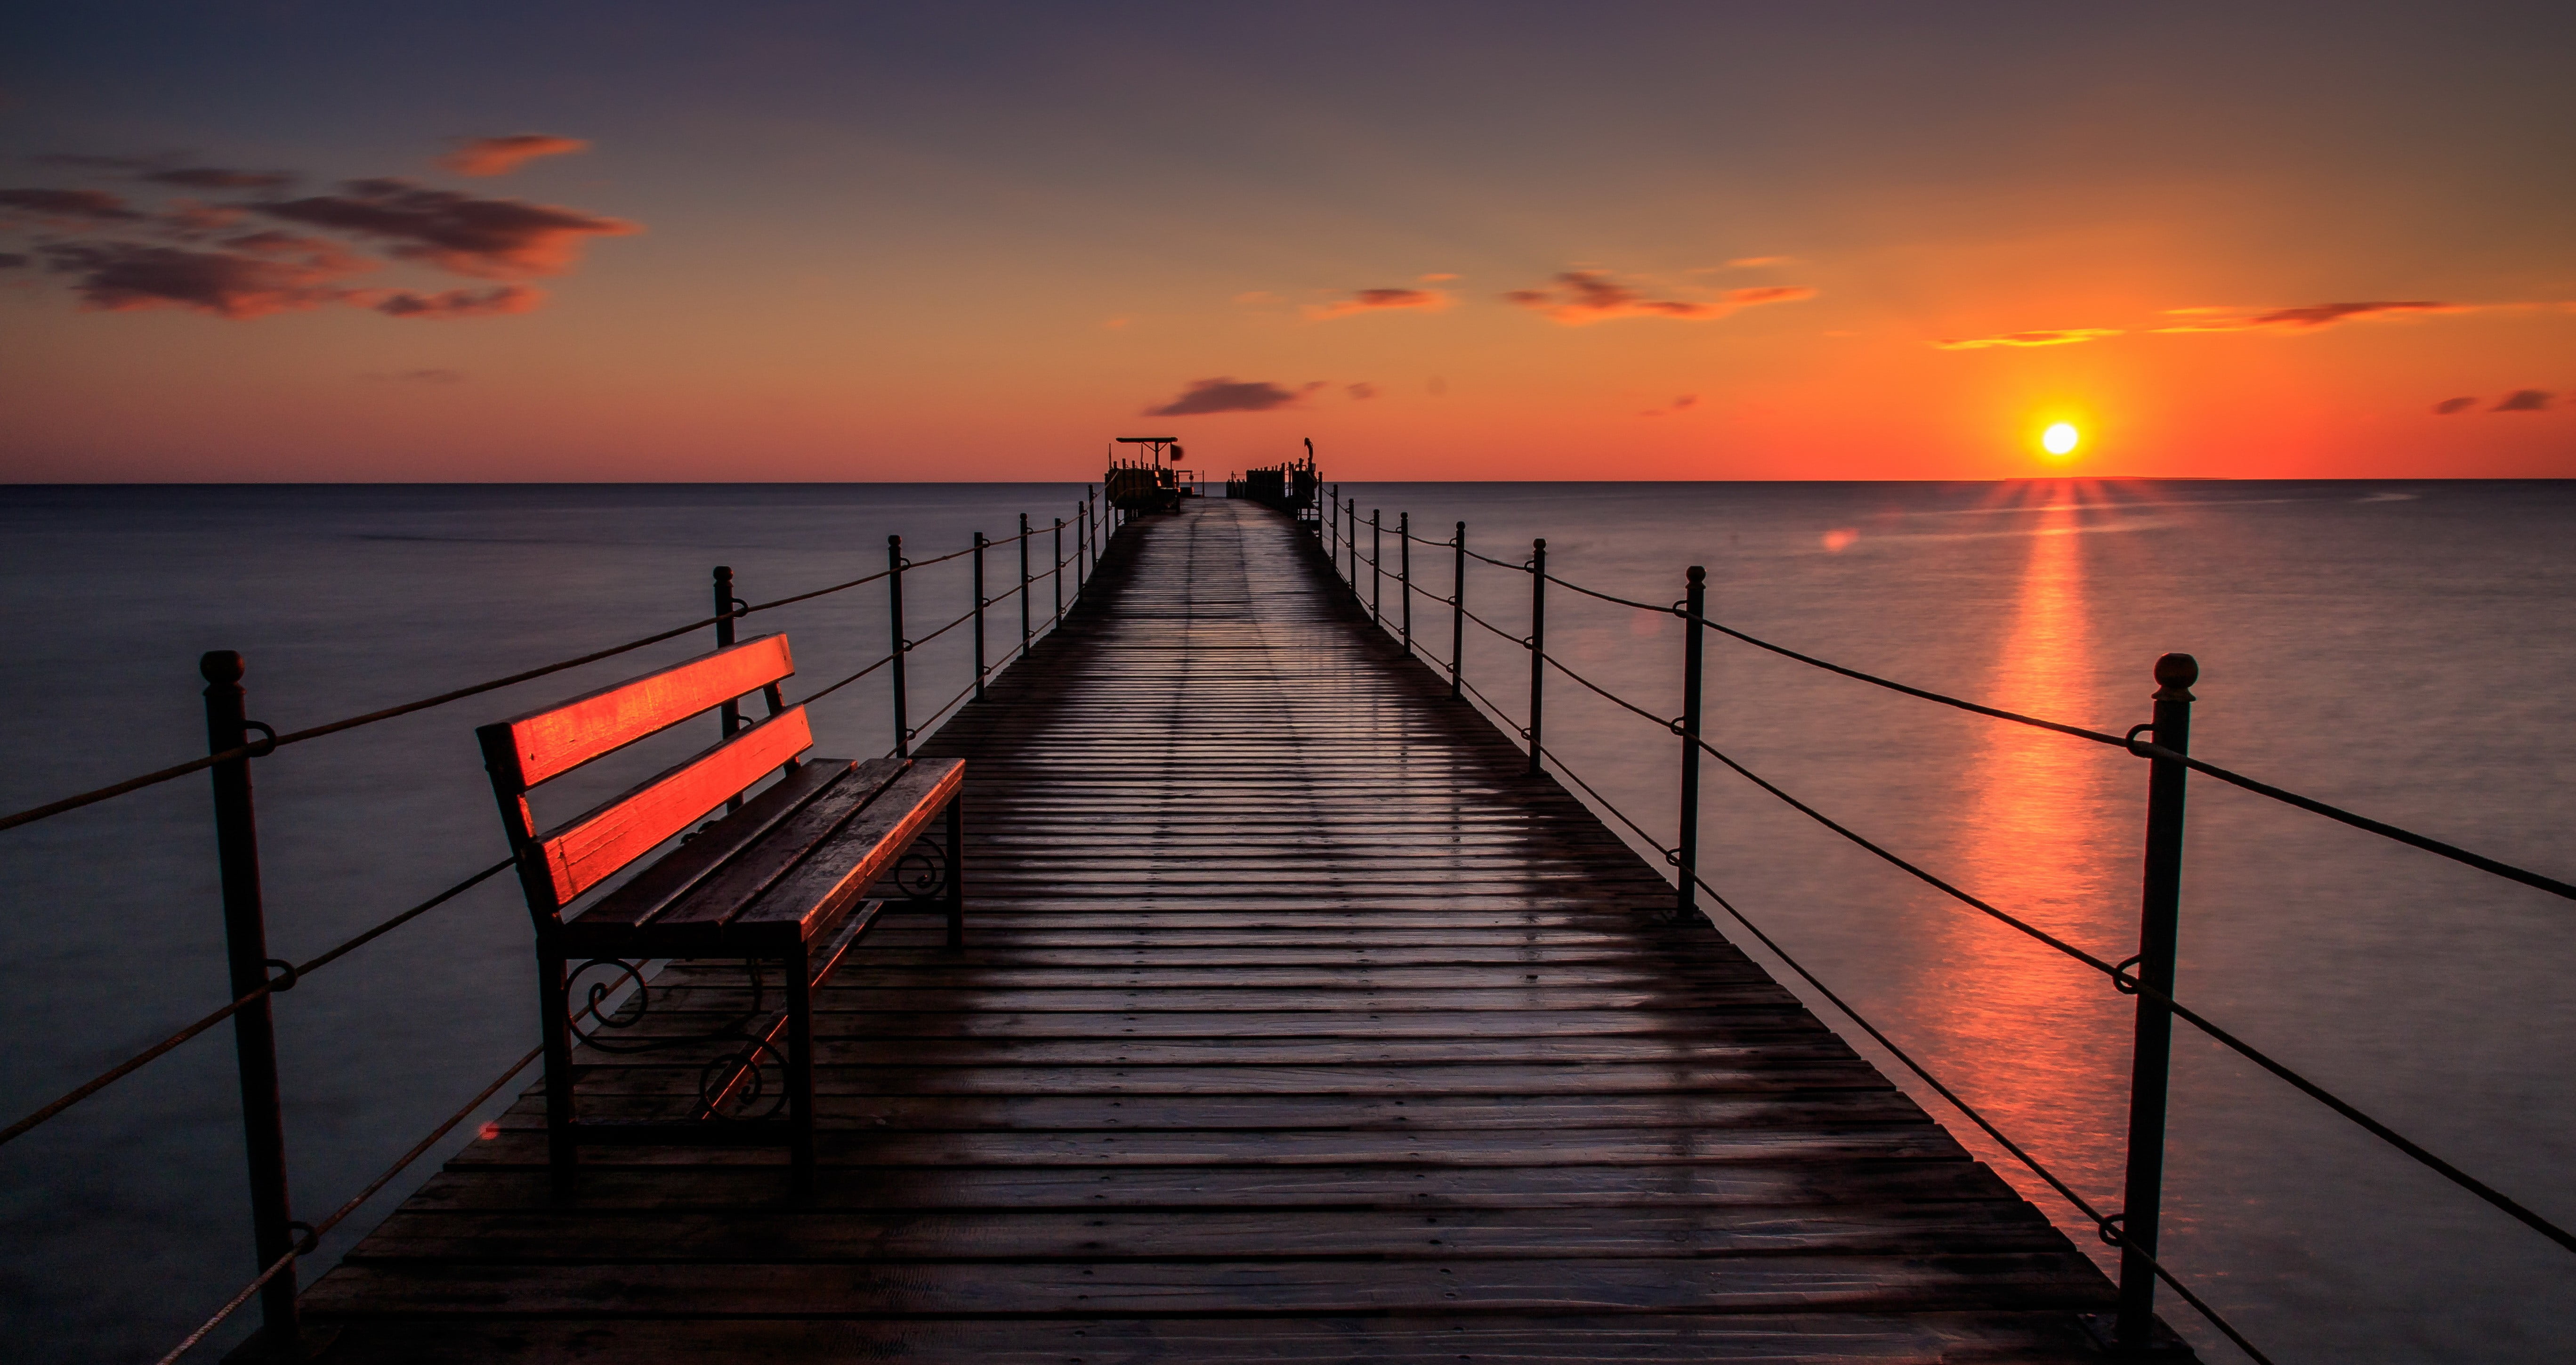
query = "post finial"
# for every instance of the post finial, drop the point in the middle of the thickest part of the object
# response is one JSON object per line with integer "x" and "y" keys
{"x": 1698, "y": 573}
{"x": 220, "y": 666}
{"x": 2175, "y": 673}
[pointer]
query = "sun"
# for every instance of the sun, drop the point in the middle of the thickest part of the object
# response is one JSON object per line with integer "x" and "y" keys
{"x": 2060, "y": 439}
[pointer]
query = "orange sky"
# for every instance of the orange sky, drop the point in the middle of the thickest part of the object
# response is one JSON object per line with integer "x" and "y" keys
{"x": 1655, "y": 242}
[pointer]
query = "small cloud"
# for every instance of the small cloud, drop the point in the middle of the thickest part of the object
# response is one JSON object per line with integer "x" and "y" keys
{"x": 2302, "y": 319}
{"x": 2451, "y": 405}
{"x": 418, "y": 377}
{"x": 1379, "y": 300}
{"x": 189, "y": 220}
{"x": 489, "y": 238}
{"x": 1258, "y": 296}
{"x": 2523, "y": 400}
{"x": 219, "y": 178}
{"x": 11, "y": 260}
{"x": 71, "y": 207}
{"x": 2063, "y": 336}
{"x": 1759, "y": 262}
{"x": 1117, "y": 323}
{"x": 1578, "y": 297}
{"x": 1226, "y": 394}
{"x": 1362, "y": 391}
{"x": 1679, "y": 404}
{"x": 484, "y": 156}
{"x": 497, "y": 301}
{"x": 1437, "y": 277}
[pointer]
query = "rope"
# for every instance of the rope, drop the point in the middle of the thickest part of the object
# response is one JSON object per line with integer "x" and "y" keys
{"x": 314, "y": 1236}
{"x": 294, "y": 974}
{"x": 267, "y": 746}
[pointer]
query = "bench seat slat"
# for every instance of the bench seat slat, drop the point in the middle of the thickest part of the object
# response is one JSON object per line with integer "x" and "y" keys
{"x": 561, "y": 738}
{"x": 683, "y": 868}
{"x": 581, "y": 854}
{"x": 860, "y": 852}
{"x": 722, "y": 896}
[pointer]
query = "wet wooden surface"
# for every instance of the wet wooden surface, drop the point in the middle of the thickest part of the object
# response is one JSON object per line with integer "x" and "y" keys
{"x": 1294, "y": 1024}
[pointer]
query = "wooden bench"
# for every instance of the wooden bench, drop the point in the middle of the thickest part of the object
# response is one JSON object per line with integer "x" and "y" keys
{"x": 783, "y": 878}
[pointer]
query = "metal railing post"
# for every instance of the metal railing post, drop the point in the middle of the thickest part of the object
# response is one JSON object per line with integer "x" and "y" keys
{"x": 1404, "y": 573}
{"x": 980, "y": 604}
{"x": 1333, "y": 520}
{"x": 1351, "y": 524}
{"x": 1024, "y": 583}
{"x": 894, "y": 607}
{"x": 728, "y": 715}
{"x": 2159, "y": 929}
{"x": 1377, "y": 567}
{"x": 1458, "y": 617}
{"x": 1694, "y": 646}
{"x": 1081, "y": 546}
{"x": 1055, "y": 577}
{"x": 729, "y": 712}
{"x": 1538, "y": 647}
{"x": 272, "y": 1218}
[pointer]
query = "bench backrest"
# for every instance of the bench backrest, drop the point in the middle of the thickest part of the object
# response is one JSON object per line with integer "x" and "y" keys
{"x": 556, "y": 866}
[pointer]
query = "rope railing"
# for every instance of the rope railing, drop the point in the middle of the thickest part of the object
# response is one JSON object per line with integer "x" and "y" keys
{"x": 272, "y": 744}
{"x": 2118, "y": 974}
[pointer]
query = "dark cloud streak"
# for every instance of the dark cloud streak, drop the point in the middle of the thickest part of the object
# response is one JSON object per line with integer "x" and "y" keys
{"x": 1227, "y": 394}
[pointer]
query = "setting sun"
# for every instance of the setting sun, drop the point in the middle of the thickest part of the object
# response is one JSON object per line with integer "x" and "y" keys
{"x": 2059, "y": 439}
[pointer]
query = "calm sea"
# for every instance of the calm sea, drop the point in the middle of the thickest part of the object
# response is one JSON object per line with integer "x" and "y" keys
{"x": 2406, "y": 650}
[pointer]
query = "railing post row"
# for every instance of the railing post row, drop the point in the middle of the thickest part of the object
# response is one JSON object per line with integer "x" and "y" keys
{"x": 1538, "y": 647}
{"x": 980, "y": 542}
{"x": 1024, "y": 584}
{"x": 1458, "y": 617}
{"x": 2159, "y": 930}
{"x": 894, "y": 608}
{"x": 1404, "y": 574}
{"x": 1694, "y": 645}
{"x": 273, "y": 1229}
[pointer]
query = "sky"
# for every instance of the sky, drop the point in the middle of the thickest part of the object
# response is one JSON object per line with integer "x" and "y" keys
{"x": 640, "y": 242}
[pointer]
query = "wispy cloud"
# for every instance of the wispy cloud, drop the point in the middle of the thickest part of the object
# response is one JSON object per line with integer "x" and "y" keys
{"x": 2063, "y": 336}
{"x": 1437, "y": 277}
{"x": 490, "y": 238}
{"x": 1683, "y": 403}
{"x": 1578, "y": 297}
{"x": 2451, "y": 405}
{"x": 2306, "y": 318}
{"x": 1360, "y": 390}
{"x": 191, "y": 254}
{"x": 2523, "y": 400}
{"x": 1759, "y": 262}
{"x": 15, "y": 260}
{"x": 484, "y": 156}
{"x": 1378, "y": 301}
{"x": 456, "y": 303}
{"x": 1227, "y": 394}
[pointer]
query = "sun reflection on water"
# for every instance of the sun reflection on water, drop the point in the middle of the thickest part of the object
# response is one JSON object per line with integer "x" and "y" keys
{"x": 2043, "y": 1050}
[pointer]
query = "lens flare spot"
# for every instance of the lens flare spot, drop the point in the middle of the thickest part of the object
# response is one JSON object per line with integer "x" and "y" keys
{"x": 1840, "y": 539}
{"x": 2060, "y": 439}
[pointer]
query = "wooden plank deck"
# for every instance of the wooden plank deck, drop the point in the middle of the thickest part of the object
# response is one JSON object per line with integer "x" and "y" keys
{"x": 1295, "y": 1024}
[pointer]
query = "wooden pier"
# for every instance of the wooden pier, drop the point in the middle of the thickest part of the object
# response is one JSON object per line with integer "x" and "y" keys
{"x": 1295, "y": 1023}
